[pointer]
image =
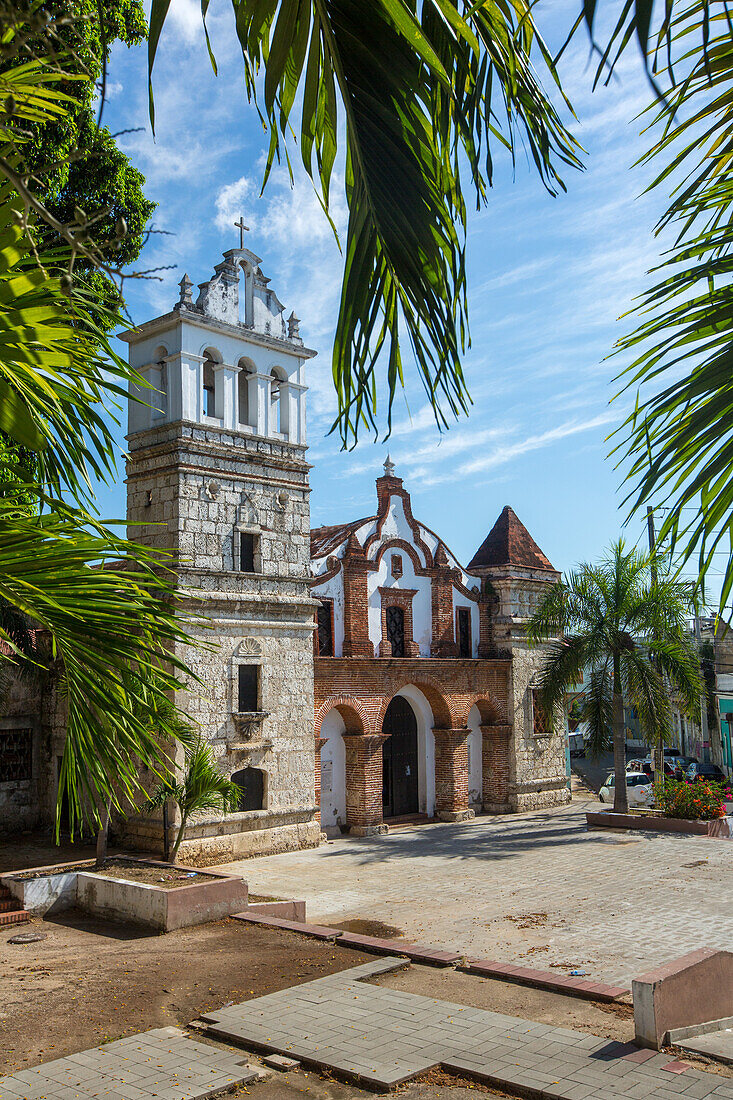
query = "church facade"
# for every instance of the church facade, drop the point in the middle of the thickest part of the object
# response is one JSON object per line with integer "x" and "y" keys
{"x": 425, "y": 697}
{"x": 346, "y": 676}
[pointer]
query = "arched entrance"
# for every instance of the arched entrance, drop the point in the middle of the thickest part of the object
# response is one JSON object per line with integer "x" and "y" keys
{"x": 400, "y": 794}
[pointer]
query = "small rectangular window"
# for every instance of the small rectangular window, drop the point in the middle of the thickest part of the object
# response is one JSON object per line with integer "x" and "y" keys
{"x": 464, "y": 632}
{"x": 542, "y": 722}
{"x": 16, "y": 755}
{"x": 325, "y": 630}
{"x": 249, "y": 687}
{"x": 247, "y": 546}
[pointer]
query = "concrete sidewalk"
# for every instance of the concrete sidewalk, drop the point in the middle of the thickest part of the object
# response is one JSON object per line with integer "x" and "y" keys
{"x": 538, "y": 890}
{"x": 382, "y": 1037}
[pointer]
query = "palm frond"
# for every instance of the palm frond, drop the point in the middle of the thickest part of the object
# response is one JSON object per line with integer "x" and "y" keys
{"x": 423, "y": 93}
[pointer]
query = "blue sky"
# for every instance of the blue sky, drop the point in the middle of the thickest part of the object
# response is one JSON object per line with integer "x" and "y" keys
{"x": 548, "y": 280}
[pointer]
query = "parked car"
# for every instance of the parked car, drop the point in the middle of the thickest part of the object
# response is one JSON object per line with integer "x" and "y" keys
{"x": 681, "y": 764}
{"x": 647, "y": 767}
{"x": 638, "y": 789}
{"x": 705, "y": 773}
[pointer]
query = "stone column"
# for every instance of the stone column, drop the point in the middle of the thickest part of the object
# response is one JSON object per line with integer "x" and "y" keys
{"x": 495, "y": 768}
{"x": 451, "y": 774}
{"x": 364, "y": 784}
{"x": 226, "y": 394}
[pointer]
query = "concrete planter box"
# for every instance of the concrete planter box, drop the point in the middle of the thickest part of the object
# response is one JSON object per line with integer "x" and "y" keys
{"x": 136, "y": 902}
{"x": 719, "y": 827}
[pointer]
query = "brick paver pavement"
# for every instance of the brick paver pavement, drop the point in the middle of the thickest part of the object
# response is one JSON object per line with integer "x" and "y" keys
{"x": 163, "y": 1064}
{"x": 384, "y": 1036}
{"x": 534, "y": 889}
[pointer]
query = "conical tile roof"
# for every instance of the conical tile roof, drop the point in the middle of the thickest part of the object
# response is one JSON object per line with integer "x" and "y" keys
{"x": 510, "y": 543}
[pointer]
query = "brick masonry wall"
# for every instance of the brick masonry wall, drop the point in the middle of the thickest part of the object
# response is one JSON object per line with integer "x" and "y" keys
{"x": 361, "y": 689}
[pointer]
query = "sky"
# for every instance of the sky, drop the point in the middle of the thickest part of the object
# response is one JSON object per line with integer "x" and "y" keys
{"x": 548, "y": 280}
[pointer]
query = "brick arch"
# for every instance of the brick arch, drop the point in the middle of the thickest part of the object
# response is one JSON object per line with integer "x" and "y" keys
{"x": 442, "y": 717}
{"x": 351, "y": 710}
{"x": 488, "y": 710}
{"x": 404, "y": 547}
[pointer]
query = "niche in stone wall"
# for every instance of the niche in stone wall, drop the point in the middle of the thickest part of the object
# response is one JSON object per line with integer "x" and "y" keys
{"x": 251, "y": 783}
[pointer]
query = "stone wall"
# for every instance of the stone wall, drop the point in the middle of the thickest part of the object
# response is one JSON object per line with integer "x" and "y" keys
{"x": 206, "y": 487}
{"x": 538, "y": 774}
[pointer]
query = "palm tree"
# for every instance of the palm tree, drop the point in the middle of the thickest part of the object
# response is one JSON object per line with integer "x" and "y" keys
{"x": 422, "y": 94}
{"x": 426, "y": 90}
{"x": 628, "y": 633}
{"x": 104, "y": 604}
{"x": 201, "y": 789}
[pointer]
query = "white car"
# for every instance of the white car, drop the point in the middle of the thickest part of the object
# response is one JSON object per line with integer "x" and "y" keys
{"x": 638, "y": 789}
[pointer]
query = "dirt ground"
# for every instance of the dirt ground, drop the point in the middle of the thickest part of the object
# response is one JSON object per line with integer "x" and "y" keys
{"x": 610, "y": 1021}
{"x": 92, "y": 981}
{"x": 25, "y": 850}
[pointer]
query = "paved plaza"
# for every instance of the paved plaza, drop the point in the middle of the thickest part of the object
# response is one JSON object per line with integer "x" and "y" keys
{"x": 539, "y": 889}
{"x": 163, "y": 1064}
{"x": 383, "y": 1037}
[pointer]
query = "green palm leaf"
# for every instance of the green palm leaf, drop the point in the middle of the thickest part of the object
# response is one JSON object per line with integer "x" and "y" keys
{"x": 627, "y": 630}
{"x": 420, "y": 89}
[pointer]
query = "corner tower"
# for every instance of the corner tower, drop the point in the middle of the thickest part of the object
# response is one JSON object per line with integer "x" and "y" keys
{"x": 217, "y": 476}
{"x": 516, "y": 575}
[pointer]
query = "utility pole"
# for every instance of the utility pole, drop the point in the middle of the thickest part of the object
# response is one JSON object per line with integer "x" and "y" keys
{"x": 704, "y": 701}
{"x": 659, "y": 753}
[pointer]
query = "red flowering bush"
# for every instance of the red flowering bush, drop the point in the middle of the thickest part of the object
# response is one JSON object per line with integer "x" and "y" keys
{"x": 693, "y": 801}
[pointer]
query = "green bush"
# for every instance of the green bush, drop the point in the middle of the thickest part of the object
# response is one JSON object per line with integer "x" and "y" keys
{"x": 694, "y": 801}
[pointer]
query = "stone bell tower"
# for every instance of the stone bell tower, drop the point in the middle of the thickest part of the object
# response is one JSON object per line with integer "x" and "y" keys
{"x": 217, "y": 476}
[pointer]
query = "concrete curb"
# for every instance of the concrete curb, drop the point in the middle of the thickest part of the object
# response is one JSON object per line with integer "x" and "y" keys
{"x": 543, "y": 979}
{"x": 434, "y": 956}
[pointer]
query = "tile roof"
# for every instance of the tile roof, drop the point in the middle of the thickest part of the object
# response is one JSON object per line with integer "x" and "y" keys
{"x": 326, "y": 540}
{"x": 509, "y": 543}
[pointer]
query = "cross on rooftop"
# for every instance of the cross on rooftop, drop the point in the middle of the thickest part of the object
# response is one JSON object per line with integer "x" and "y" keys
{"x": 241, "y": 227}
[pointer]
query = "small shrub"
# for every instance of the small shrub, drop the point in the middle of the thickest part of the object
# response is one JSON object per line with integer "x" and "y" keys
{"x": 694, "y": 801}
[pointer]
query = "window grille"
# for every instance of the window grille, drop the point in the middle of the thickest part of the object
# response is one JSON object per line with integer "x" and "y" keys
{"x": 251, "y": 782}
{"x": 464, "y": 632}
{"x": 542, "y": 722}
{"x": 325, "y": 630}
{"x": 16, "y": 755}
{"x": 246, "y": 552}
{"x": 248, "y": 688}
{"x": 396, "y": 630}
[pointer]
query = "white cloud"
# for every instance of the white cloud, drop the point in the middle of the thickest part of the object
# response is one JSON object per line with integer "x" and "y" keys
{"x": 230, "y": 203}
{"x": 185, "y": 18}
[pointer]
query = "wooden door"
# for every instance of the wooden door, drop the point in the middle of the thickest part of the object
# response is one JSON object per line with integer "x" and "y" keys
{"x": 399, "y": 760}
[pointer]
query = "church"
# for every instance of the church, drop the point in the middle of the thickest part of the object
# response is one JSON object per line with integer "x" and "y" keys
{"x": 348, "y": 676}
{"x": 424, "y": 697}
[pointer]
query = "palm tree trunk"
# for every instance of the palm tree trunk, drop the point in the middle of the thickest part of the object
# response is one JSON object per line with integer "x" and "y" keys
{"x": 620, "y": 799}
{"x": 179, "y": 837}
